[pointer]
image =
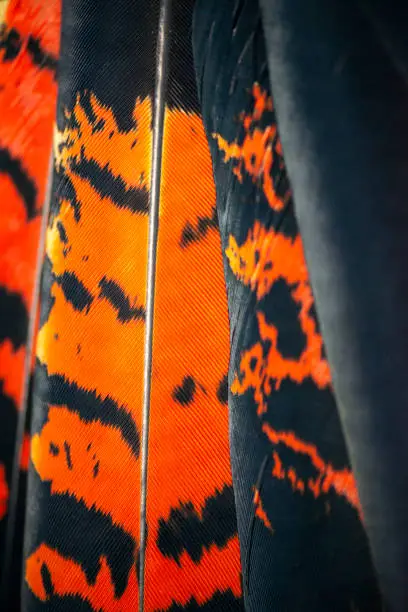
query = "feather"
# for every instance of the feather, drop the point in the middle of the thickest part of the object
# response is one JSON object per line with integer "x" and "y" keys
{"x": 350, "y": 191}
{"x": 27, "y": 106}
{"x": 300, "y": 520}
{"x": 130, "y": 499}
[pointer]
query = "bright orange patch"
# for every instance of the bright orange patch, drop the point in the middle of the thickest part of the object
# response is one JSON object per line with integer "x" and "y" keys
{"x": 27, "y": 109}
{"x": 18, "y": 242}
{"x": 12, "y": 370}
{"x": 25, "y": 453}
{"x": 260, "y": 511}
{"x": 256, "y": 153}
{"x": 341, "y": 481}
{"x": 218, "y": 570}
{"x": 90, "y": 461}
{"x": 68, "y": 578}
{"x": 125, "y": 154}
{"x": 13, "y": 212}
{"x": 264, "y": 258}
